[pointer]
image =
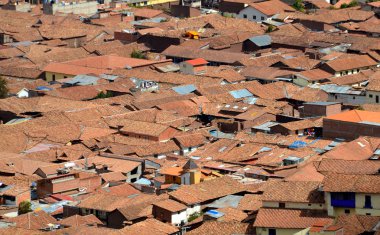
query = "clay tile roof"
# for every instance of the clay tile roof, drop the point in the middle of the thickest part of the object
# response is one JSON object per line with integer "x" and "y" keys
{"x": 374, "y": 85}
{"x": 357, "y": 224}
{"x": 170, "y": 205}
{"x": 191, "y": 140}
{"x": 272, "y": 7}
{"x": 306, "y": 192}
{"x": 216, "y": 228}
{"x": 339, "y": 166}
{"x": 144, "y": 128}
{"x": 296, "y": 219}
{"x": 113, "y": 176}
{"x": 250, "y": 202}
{"x": 33, "y": 220}
{"x": 352, "y": 62}
{"x": 207, "y": 190}
{"x": 149, "y": 227}
{"x": 78, "y": 220}
{"x": 314, "y": 74}
{"x": 351, "y": 183}
{"x": 147, "y": 13}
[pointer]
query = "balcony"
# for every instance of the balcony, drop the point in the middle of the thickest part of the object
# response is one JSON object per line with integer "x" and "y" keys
{"x": 346, "y": 200}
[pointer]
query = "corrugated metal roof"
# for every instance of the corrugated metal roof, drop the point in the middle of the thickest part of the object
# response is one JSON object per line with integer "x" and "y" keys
{"x": 227, "y": 201}
{"x": 237, "y": 94}
{"x": 83, "y": 80}
{"x": 322, "y": 103}
{"x": 265, "y": 126}
{"x": 109, "y": 77}
{"x": 186, "y": 89}
{"x": 262, "y": 40}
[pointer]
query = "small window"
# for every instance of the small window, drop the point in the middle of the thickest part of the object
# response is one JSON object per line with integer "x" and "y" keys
{"x": 272, "y": 231}
{"x": 281, "y": 205}
{"x": 254, "y": 17}
{"x": 245, "y": 16}
{"x": 53, "y": 77}
{"x": 367, "y": 213}
{"x": 347, "y": 211}
{"x": 370, "y": 95}
{"x": 353, "y": 97}
{"x": 262, "y": 18}
{"x": 309, "y": 204}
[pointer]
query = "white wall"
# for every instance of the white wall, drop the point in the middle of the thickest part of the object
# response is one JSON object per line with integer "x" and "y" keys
{"x": 195, "y": 209}
{"x": 178, "y": 217}
{"x": 250, "y": 12}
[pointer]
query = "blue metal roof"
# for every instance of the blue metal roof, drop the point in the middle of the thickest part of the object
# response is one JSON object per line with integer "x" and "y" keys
{"x": 43, "y": 88}
{"x": 262, "y": 40}
{"x": 243, "y": 93}
{"x": 322, "y": 103}
{"x": 297, "y": 144}
{"x": 184, "y": 90}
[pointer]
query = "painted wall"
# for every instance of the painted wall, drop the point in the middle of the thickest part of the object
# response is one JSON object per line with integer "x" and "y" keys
{"x": 251, "y": 13}
{"x": 359, "y": 204}
{"x": 296, "y": 205}
{"x": 193, "y": 209}
{"x": 373, "y": 96}
{"x": 58, "y": 76}
{"x": 178, "y": 217}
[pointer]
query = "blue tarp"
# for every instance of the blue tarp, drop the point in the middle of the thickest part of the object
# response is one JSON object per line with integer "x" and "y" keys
{"x": 238, "y": 94}
{"x": 143, "y": 181}
{"x": 214, "y": 213}
{"x": 297, "y": 144}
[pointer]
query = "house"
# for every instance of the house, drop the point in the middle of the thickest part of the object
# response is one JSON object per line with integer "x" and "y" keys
{"x": 352, "y": 124}
{"x": 257, "y": 43}
{"x": 343, "y": 94}
{"x": 195, "y": 66}
{"x": 349, "y": 65}
{"x": 373, "y": 91}
{"x": 148, "y": 131}
{"x": 301, "y": 127}
{"x": 13, "y": 195}
{"x": 170, "y": 211}
{"x": 313, "y": 76}
{"x": 319, "y": 109}
{"x": 294, "y": 195}
{"x": 188, "y": 174}
{"x": 352, "y": 194}
{"x": 262, "y": 11}
{"x": 189, "y": 143}
{"x": 96, "y": 65}
{"x": 232, "y": 7}
{"x": 26, "y": 93}
{"x": 71, "y": 183}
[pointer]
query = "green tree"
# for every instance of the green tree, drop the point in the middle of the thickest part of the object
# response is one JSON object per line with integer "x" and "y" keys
{"x": 102, "y": 95}
{"x": 3, "y": 88}
{"x": 24, "y": 207}
{"x": 270, "y": 28}
{"x": 298, "y": 5}
{"x": 137, "y": 54}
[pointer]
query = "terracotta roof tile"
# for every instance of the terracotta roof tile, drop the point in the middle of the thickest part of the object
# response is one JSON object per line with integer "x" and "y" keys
{"x": 170, "y": 205}
{"x": 351, "y": 183}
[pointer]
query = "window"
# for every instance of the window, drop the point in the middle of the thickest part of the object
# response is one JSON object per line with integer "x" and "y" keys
{"x": 281, "y": 205}
{"x": 368, "y": 202}
{"x": 53, "y": 77}
{"x": 353, "y": 97}
{"x": 370, "y": 95}
{"x": 262, "y": 18}
{"x": 245, "y": 16}
{"x": 272, "y": 231}
{"x": 377, "y": 99}
{"x": 347, "y": 211}
{"x": 254, "y": 17}
{"x": 367, "y": 213}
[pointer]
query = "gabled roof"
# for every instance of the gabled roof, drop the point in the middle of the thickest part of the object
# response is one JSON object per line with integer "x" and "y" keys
{"x": 351, "y": 183}
{"x": 262, "y": 40}
{"x": 272, "y": 7}
{"x": 352, "y": 62}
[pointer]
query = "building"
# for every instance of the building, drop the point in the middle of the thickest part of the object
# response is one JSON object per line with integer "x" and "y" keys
{"x": 320, "y": 109}
{"x": 71, "y": 183}
{"x": 352, "y": 124}
{"x": 302, "y": 127}
{"x": 195, "y": 66}
{"x": 262, "y": 11}
{"x": 373, "y": 91}
{"x": 170, "y": 211}
{"x": 309, "y": 77}
{"x": 257, "y": 43}
{"x": 13, "y": 195}
{"x": 188, "y": 174}
{"x": 352, "y": 194}
{"x": 349, "y": 65}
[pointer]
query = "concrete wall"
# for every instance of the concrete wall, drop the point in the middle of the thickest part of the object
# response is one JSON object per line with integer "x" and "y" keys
{"x": 21, "y": 7}
{"x": 178, "y": 217}
{"x": 312, "y": 110}
{"x": 373, "y": 97}
{"x": 49, "y": 76}
{"x": 86, "y": 8}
